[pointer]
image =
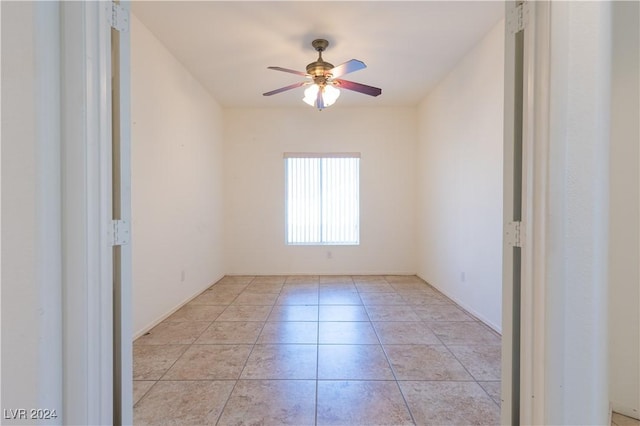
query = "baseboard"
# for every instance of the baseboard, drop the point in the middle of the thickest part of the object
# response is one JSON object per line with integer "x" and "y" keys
{"x": 172, "y": 311}
{"x": 610, "y": 414}
{"x": 495, "y": 327}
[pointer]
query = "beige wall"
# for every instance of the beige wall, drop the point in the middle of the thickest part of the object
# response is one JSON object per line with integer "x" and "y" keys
{"x": 177, "y": 213}
{"x": 255, "y": 140}
{"x": 624, "y": 255}
{"x": 459, "y": 165}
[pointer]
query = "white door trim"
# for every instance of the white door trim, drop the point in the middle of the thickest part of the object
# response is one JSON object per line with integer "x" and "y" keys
{"x": 123, "y": 310}
{"x": 535, "y": 187}
{"x": 86, "y": 214}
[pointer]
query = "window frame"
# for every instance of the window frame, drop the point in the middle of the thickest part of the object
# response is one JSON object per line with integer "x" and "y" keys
{"x": 320, "y": 155}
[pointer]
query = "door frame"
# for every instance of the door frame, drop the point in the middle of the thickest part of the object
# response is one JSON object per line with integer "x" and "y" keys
{"x": 524, "y": 337}
{"x": 91, "y": 391}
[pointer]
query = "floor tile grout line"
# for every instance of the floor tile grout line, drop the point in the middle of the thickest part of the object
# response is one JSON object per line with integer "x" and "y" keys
{"x": 174, "y": 362}
{"x": 155, "y": 382}
{"x": 245, "y": 363}
{"x": 227, "y": 401}
{"x": 466, "y": 369}
{"x": 395, "y": 377}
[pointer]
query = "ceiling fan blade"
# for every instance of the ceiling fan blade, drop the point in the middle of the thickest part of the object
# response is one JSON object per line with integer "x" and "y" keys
{"x": 304, "y": 74}
{"x": 358, "y": 87}
{"x": 347, "y": 67}
{"x": 282, "y": 89}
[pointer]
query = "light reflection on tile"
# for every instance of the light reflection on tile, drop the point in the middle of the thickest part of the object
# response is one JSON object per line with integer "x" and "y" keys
{"x": 297, "y": 297}
{"x": 343, "y": 313}
{"x": 341, "y": 297}
{"x": 289, "y": 332}
{"x": 353, "y": 362}
{"x": 293, "y": 313}
{"x": 343, "y": 332}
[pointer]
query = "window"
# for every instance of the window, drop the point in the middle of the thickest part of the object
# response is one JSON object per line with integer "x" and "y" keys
{"x": 322, "y": 196}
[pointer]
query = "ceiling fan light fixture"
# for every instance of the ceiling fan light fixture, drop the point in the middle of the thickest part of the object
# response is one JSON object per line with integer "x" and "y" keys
{"x": 323, "y": 90}
{"x": 329, "y": 95}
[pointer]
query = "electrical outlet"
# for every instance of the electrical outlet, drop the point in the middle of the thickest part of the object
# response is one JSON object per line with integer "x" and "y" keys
{"x": 329, "y": 255}
{"x": 182, "y": 275}
{"x": 463, "y": 276}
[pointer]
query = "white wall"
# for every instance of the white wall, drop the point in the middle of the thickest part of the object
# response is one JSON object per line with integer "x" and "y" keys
{"x": 31, "y": 263}
{"x": 624, "y": 254}
{"x": 177, "y": 229}
{"x": 19, "y": 185}
{"x": 255, "y": 140}
{"x": 576, "y": 378}
{"x": 459, "y": 163}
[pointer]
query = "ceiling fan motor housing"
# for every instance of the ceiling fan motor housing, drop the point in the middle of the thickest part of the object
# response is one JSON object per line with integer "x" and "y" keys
{"x": 319, "y": 69}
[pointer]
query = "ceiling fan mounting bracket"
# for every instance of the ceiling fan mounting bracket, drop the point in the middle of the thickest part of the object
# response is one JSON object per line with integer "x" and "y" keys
{"x": 320, "y": 44}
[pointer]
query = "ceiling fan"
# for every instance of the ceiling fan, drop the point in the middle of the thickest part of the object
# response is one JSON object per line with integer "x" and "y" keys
{"x": 323, "y": 81}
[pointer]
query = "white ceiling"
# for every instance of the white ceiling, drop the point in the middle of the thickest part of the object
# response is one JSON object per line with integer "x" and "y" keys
{"x": 407, "y": 46}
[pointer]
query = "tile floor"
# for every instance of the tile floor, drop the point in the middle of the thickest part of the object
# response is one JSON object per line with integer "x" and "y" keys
{"x": 620, "y": 420}
{"x": 309, "y": 350}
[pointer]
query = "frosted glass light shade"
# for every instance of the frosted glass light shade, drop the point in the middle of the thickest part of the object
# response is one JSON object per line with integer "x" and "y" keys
{"x": 329, "y": 95}
{"x": 311, "y": 94}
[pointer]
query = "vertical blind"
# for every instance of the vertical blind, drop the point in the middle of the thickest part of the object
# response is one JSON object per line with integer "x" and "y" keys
{"x": 322, "y": 195}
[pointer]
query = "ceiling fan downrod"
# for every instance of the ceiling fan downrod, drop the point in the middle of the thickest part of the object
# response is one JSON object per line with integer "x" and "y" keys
{"x": 319, "y": 68}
